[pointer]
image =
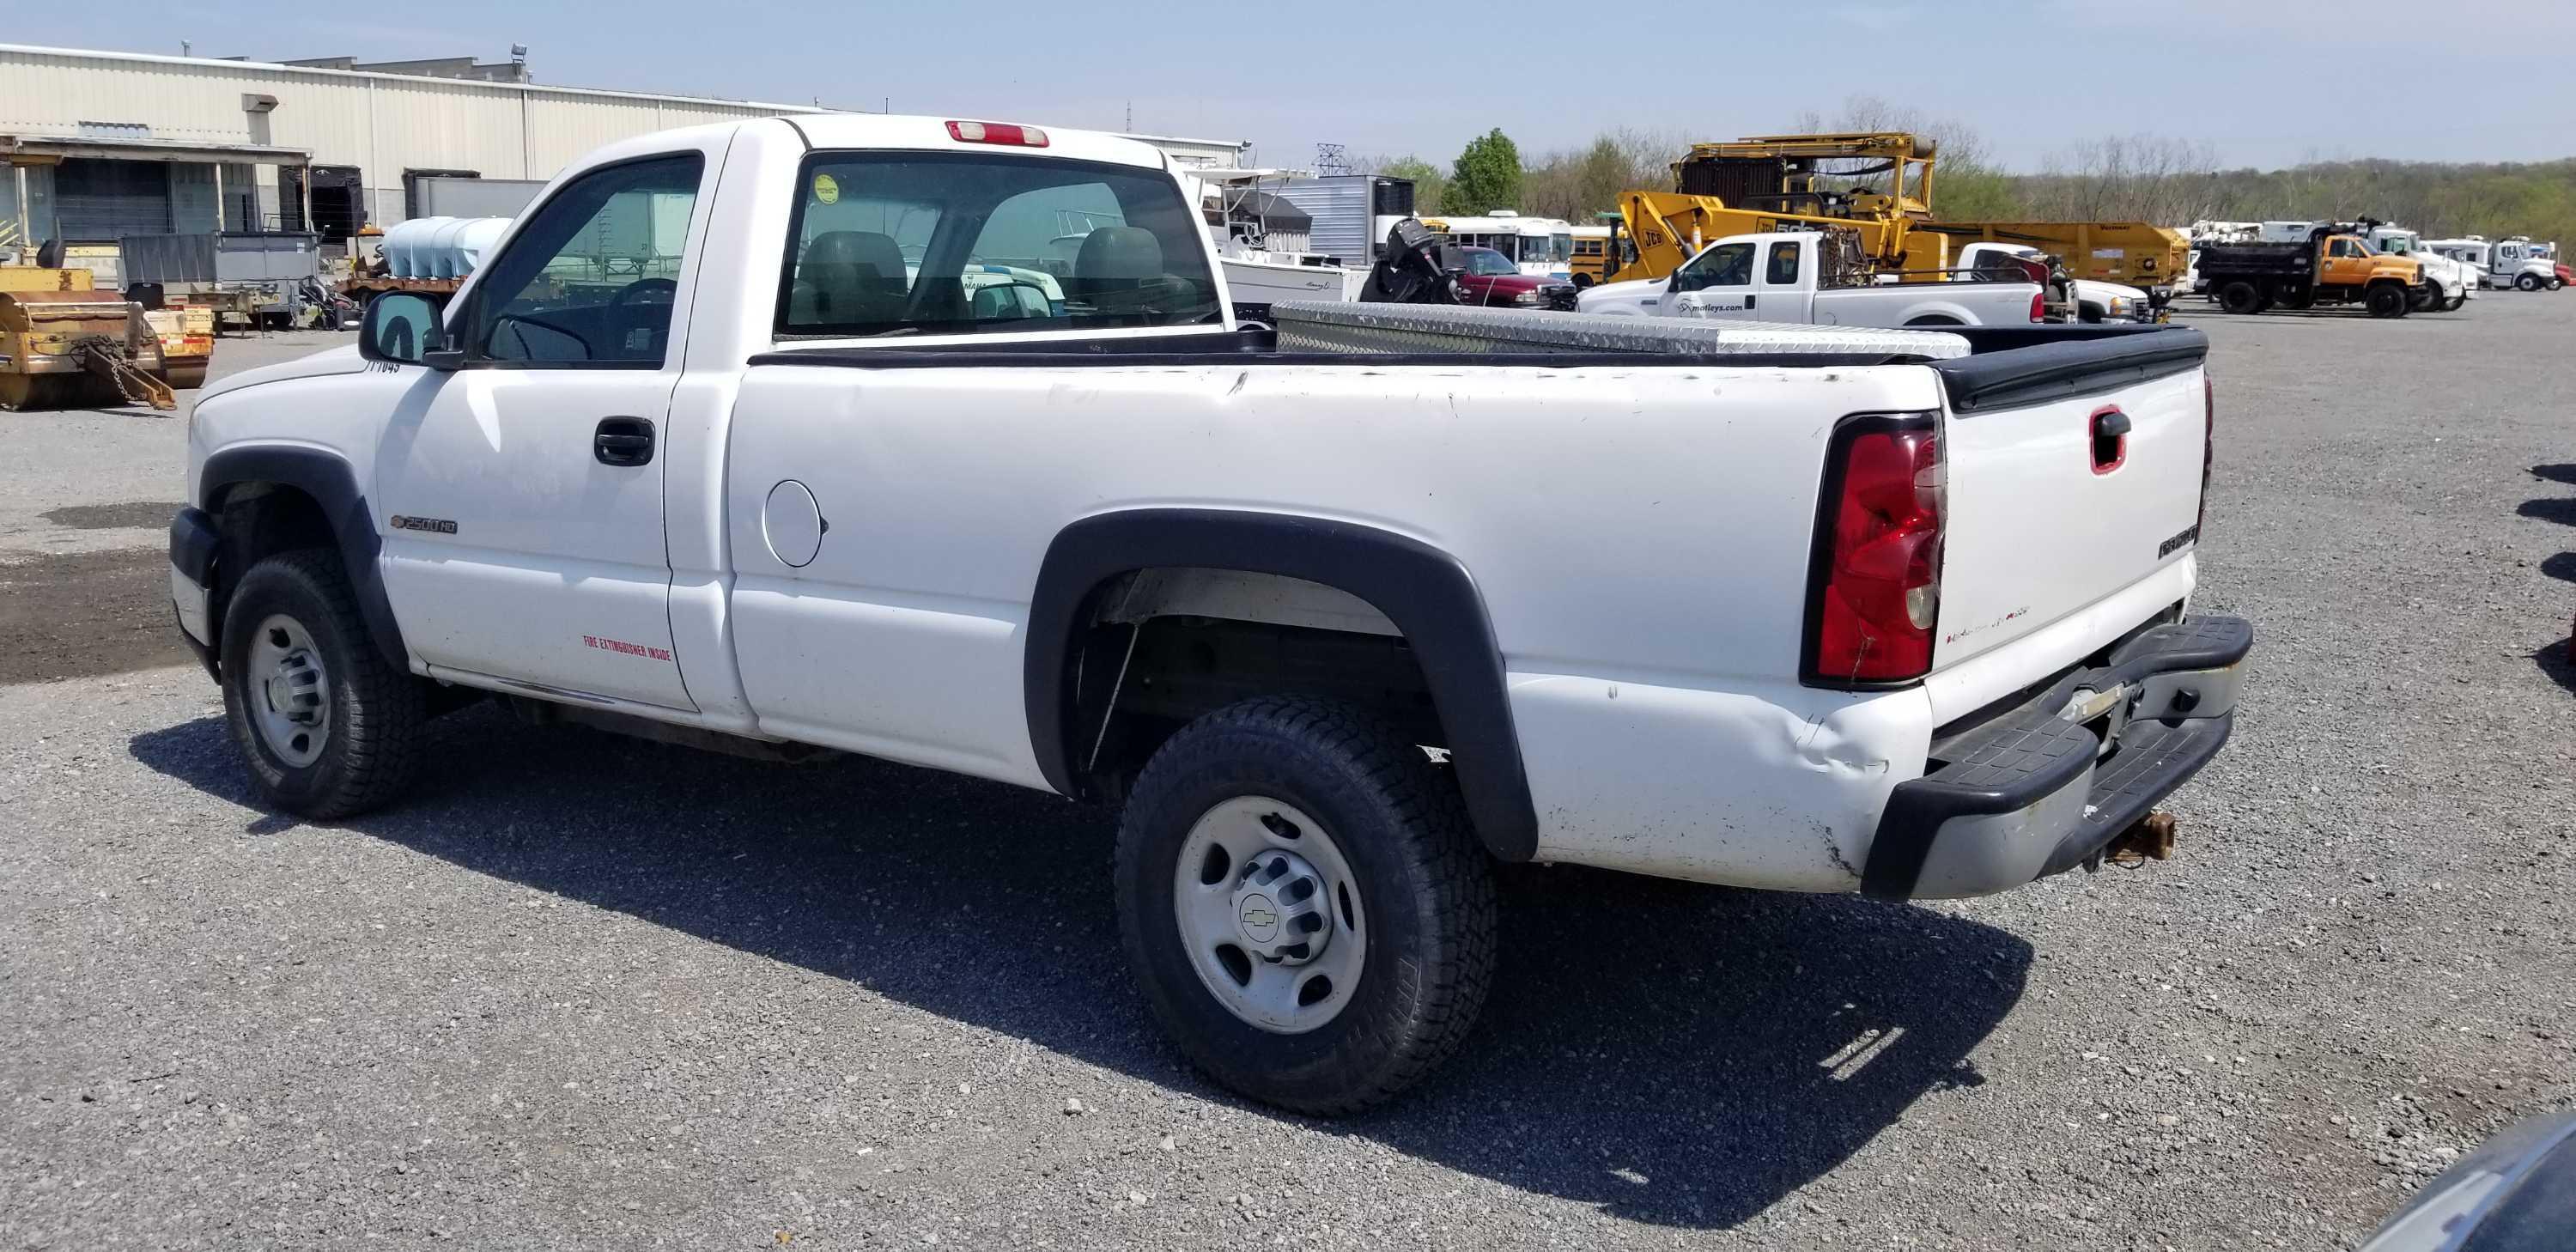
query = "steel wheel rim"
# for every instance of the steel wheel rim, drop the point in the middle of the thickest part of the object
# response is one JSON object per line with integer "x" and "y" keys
{"x": 287, "y": 691}
{"x": 1252, "y": 968}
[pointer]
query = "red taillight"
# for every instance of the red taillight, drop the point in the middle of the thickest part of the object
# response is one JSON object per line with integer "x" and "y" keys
{"x": 2039, "y": 305}
{"x": 1877, "y": 581}
{"x": 997, "y": 132}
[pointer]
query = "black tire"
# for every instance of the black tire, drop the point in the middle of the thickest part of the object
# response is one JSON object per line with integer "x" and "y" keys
{"x": 1424, "y": 885}
{"x": 2424, "y": 299}
{"x": 2527, "y": 282}
{"x": 2298, "y": 298}
{"x": 2386, "y": 300}
{"x": 2240, "y": 297}
{"x": 2557, "y": 283}
{"x": 1934, "y": 319}
{"x": 2453, "y": 304}
{"x": 373, "y": 713}
{"x": 1582, "y": 281}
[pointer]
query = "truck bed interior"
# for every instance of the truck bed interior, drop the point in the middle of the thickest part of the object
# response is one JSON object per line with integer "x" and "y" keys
{"x": 2007, "y": 365}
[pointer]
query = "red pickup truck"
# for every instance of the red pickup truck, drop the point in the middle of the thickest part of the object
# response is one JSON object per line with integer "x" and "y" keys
{"x": 1492, "y": 279}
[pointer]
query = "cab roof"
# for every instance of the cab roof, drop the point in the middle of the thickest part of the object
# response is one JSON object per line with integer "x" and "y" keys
{"x": 932, "y": 134}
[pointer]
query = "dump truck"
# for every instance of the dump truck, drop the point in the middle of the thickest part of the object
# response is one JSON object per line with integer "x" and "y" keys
{"x": 2332, "y": 266}
{"x": 64, "y": 344}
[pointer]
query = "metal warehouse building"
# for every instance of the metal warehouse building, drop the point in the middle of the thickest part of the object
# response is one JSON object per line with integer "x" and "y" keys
{"x": 101, "y": 145}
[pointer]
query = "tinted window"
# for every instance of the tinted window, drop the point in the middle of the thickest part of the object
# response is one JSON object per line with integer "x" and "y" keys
{"x": 1485, "y": 262}
{"x": 1726, "y": 265}
{"x": 955, "y": 243}
{"x": 1783, "y": 270}
{"x": 589, "y": 279}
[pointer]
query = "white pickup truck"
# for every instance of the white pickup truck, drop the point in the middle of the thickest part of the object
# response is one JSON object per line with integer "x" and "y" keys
{"x": 1339, "y": 631}
{"x": 1785, "y": 277}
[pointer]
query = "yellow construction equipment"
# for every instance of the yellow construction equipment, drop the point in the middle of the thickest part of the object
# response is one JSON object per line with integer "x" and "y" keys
{"x": 2137, "y": 254}
{"x": 63, "y": 345}
{"x": 1881, "y": 183}
{"x": 1775, "y": 182}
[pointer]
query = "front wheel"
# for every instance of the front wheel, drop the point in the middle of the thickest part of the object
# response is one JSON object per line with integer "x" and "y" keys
{"x": 2527, "y": 282}
{"x": 1303, "y": 903}
{"x": 2424, "y": 299}
{"x": 2386, "y": 300}
{"x": 325, "y": 724}
{"x": 2556, "y": 283}
{"x": 2453, "y": 304}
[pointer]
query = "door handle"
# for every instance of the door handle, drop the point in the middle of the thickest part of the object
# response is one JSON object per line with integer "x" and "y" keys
{"x": 623, "y": 441}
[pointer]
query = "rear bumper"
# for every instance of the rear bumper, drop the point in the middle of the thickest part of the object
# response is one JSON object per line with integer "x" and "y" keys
{"x": 2047, "y": 784}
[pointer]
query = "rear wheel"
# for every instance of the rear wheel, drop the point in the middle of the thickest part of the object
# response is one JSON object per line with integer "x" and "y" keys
{"x": 2386, "y": 300}
{"x": 1934, "y": 319}
{"x": 2240, "y": 297}
{"x": 2298, "y": 298}
{"x": 325, "y": 724}
{"x": 1303, "y": 903}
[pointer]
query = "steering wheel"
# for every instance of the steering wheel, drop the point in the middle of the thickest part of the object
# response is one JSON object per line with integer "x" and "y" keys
{"x": 627, "y": 294}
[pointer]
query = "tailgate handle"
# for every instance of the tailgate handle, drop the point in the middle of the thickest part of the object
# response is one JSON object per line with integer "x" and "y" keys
{"x": 2110, "y": 439}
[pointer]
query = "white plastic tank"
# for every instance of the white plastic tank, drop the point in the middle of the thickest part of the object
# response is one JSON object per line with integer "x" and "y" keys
{"x": 441, "y": 247}
{"x": 407, "y": 246}
{"x": 475, "y": 238}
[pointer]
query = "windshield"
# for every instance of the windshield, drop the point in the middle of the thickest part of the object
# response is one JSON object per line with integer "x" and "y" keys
{"x": 1487, "y": 263}
{"x": 1560, "y": 247}
{"x": 944, "y": 244}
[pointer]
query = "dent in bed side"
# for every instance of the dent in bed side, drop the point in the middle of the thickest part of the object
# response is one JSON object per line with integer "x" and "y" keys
{"x": 1425, "y": 592}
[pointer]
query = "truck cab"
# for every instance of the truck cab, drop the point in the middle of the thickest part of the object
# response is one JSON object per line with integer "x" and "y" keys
{"x": 2524, "y": 265}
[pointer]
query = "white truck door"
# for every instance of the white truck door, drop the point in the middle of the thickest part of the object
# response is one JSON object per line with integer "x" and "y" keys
{"x": 1788, "y": 286}
{"x": 1718, "y": 283}
{"x": 523, "y": 490}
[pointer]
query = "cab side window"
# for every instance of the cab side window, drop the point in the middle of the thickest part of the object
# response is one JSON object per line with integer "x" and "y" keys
{"x": 1726, "y": 265}
{"x": 590, "y": 277}
{"x": 1783, "y": 271}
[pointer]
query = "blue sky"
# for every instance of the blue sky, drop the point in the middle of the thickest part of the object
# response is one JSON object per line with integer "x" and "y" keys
{"x": 2265, "y": 84}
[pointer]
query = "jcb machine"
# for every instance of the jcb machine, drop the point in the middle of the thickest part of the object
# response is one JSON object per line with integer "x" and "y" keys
{"x": 1775, "y": 182}
{"x": 64, "y": 345}
{"x": 1880, "y": 182}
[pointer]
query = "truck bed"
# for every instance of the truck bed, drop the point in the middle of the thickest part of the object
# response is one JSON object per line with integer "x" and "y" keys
{"x": 2003, "y": 365}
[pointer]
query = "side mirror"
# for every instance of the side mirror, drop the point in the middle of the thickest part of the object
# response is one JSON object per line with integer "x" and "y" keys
{"x": 403, "y": 328}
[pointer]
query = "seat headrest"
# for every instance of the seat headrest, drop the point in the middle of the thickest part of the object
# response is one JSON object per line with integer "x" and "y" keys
{"x": 871, "y": 259}
{"x": 1119, "y": 254}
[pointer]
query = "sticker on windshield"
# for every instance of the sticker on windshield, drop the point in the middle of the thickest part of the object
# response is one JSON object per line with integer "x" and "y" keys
{"x": 827, "y": 189}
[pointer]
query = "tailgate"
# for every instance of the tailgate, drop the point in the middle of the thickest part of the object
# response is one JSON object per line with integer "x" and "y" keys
{"x": 2047, "y": 512}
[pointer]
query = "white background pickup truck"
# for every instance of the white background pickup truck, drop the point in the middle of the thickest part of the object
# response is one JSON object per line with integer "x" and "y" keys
{"x": 1780, "y": 278}
{"x": 736, "y": 439}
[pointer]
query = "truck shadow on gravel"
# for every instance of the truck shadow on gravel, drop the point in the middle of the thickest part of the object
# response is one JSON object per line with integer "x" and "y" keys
{"x": 1676, "y": 1054}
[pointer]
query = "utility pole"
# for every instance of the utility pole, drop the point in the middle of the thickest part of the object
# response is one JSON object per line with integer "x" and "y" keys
{"x": 1131, "y": 117}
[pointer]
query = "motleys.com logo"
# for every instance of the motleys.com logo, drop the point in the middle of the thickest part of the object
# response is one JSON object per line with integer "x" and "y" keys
{"x": 628, "y": 649}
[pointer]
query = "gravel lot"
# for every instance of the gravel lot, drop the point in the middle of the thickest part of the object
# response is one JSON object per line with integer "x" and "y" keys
{"x": 590, "y": 991}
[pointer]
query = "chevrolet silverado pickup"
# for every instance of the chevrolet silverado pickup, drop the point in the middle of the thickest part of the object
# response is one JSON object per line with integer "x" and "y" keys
{"x": 937, "y": 441}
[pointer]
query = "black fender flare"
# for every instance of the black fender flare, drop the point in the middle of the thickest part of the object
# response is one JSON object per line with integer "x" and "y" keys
{"x": 1426, "y": 592}
{"x": 334, "y": 485}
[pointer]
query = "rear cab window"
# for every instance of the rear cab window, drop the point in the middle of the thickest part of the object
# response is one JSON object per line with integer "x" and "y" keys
{"x": 939, "y": 243}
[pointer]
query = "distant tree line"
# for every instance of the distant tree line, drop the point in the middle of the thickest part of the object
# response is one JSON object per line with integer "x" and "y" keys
{"x": 2150, "y": 178}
